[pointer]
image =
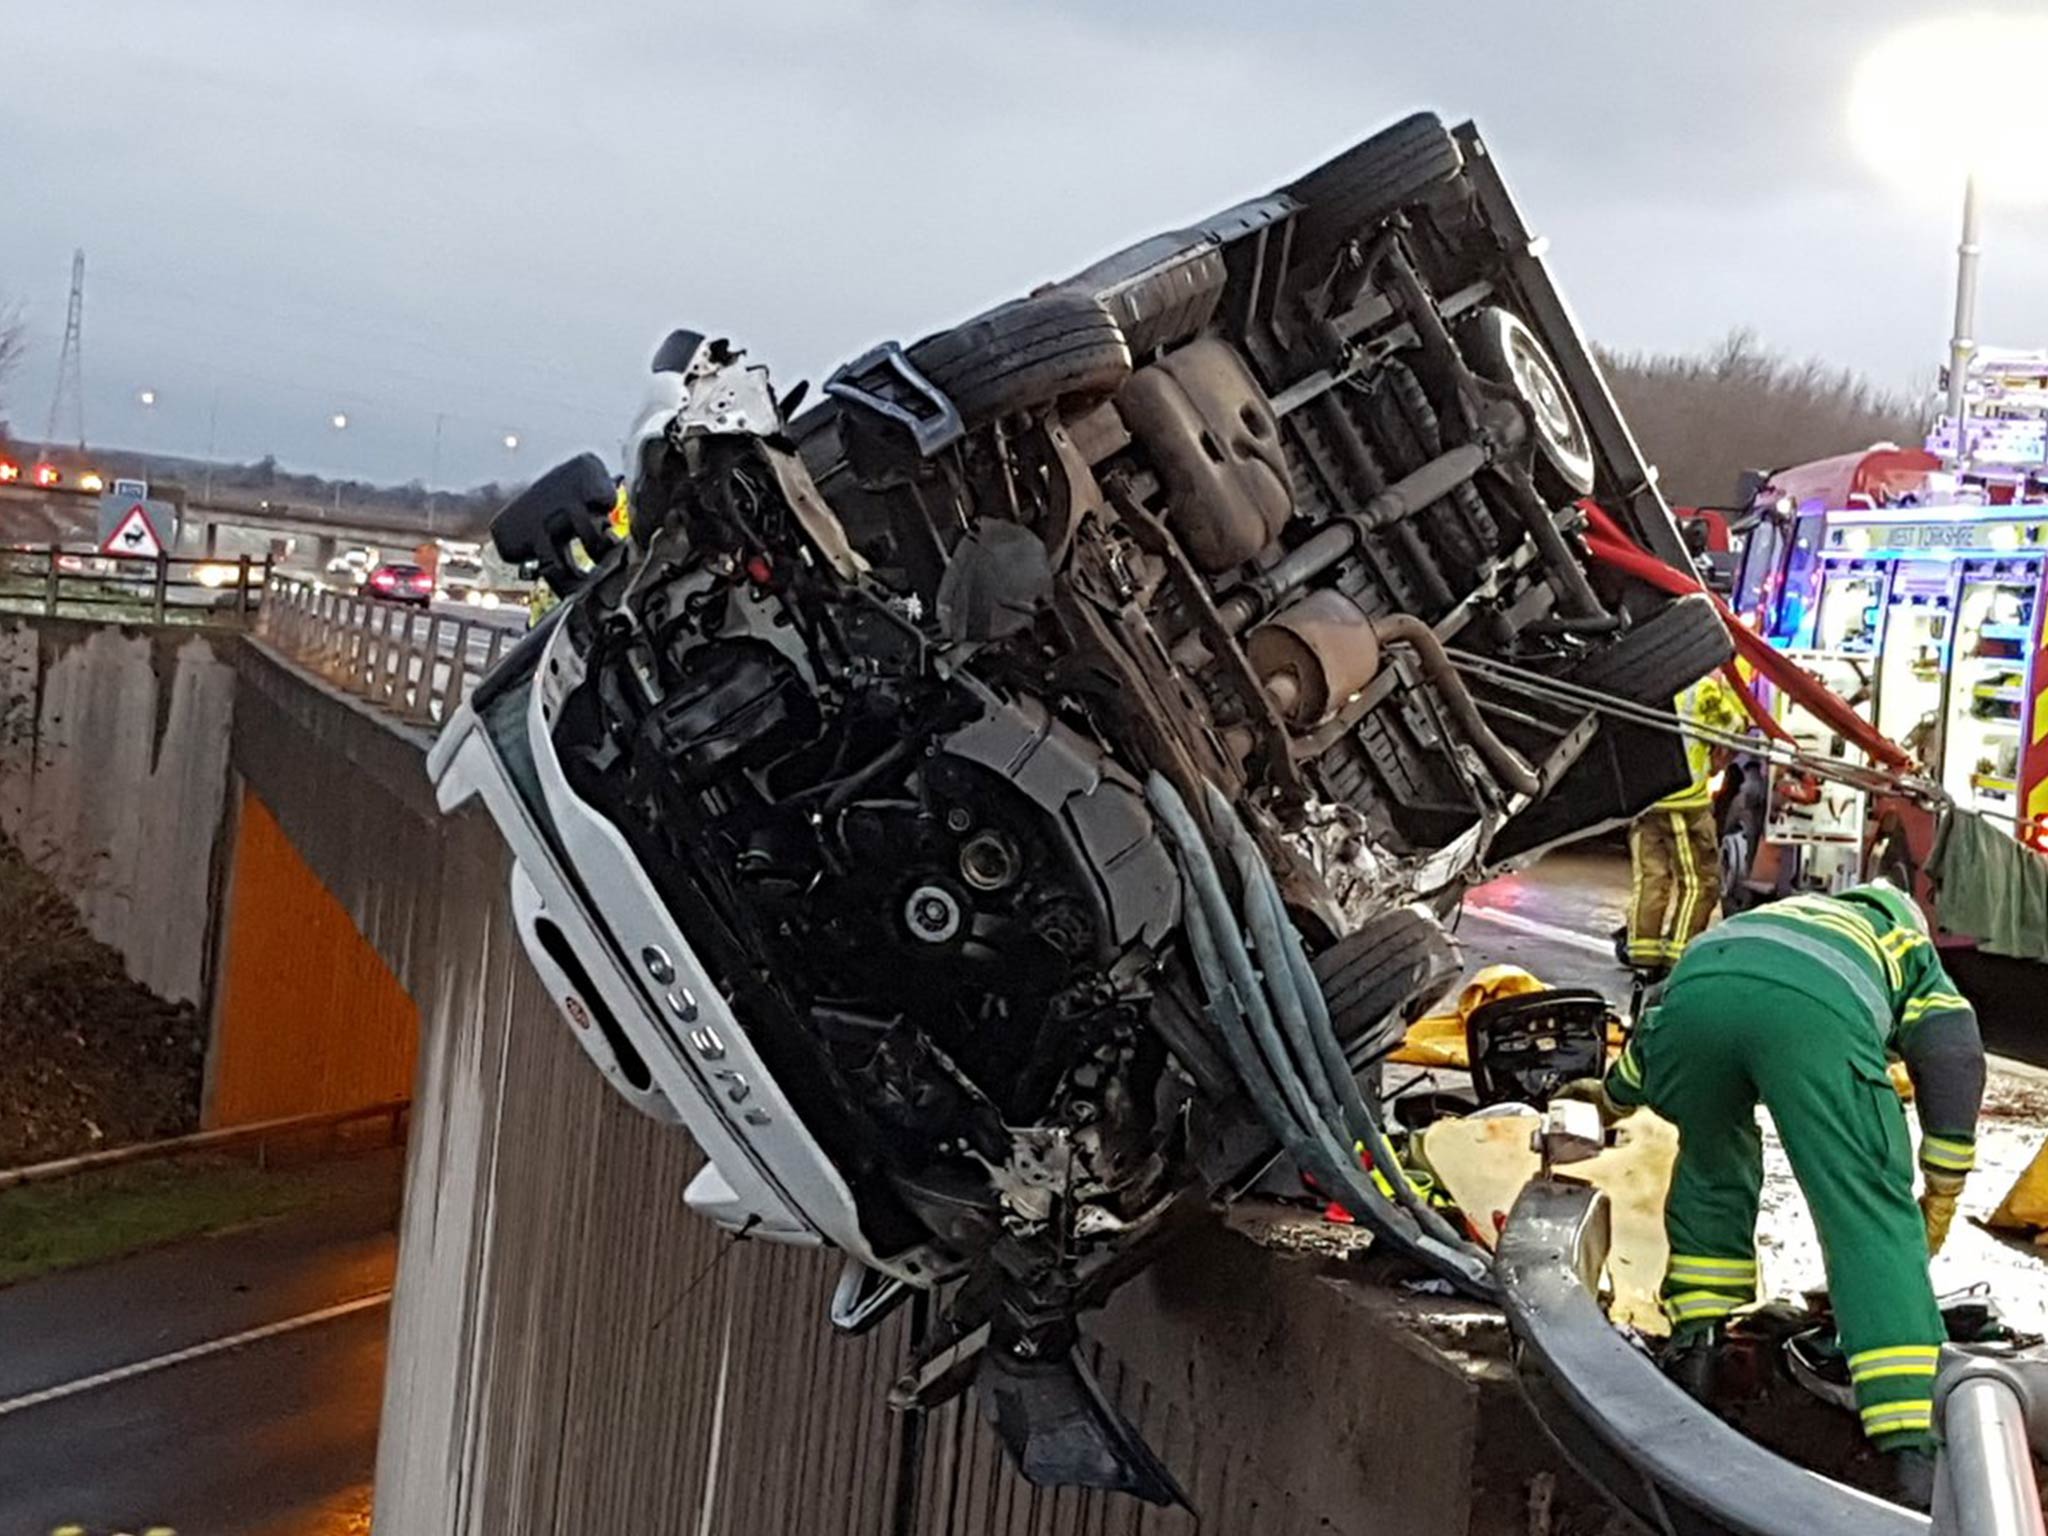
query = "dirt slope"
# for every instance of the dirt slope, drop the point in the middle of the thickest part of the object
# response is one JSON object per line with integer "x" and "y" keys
{"x": 88, "y": 1058}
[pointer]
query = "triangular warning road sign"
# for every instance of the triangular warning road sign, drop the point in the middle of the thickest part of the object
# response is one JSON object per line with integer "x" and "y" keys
{"x": 133, "y": 535}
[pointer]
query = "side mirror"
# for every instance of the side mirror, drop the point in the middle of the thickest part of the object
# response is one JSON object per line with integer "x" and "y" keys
{"x": 565, "y": 507}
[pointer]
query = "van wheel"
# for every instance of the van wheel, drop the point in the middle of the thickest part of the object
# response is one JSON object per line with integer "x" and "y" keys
{"x": 1656, "y": 660}
{"x": 1031, "y": 353}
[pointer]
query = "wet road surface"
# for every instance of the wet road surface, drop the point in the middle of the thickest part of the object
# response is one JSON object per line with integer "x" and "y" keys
{"x": 228, "y": 1386}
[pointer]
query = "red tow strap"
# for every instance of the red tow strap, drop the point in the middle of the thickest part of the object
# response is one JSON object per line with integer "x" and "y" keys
{"x": 1611, "y": 545}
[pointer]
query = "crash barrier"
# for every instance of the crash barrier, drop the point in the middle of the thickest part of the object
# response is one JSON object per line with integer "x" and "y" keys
{"x": 1994, "y": 1416}
{"x": 258, "y": 1137}
{"x": 83, "y": 582}
{"x": 420, "y": 665}
{"x": 1666, "y": 1459}
{"x": 1681, "y": 1471}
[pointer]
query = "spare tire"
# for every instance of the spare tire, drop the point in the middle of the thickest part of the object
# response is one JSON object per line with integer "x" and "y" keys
{"x": 1374, "y": 974}
{"x": 1395, "y": 167}
{"x": 1027, "y": 354}
{"x": 1655, "y": 661}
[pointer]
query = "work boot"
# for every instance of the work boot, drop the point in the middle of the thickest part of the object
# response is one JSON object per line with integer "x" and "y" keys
{"x": 1913, "y": 1478}
{"x": 1691, "y": 1362}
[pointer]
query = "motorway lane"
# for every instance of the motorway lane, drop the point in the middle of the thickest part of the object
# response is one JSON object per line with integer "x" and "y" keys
{"x": 1553, "y": 919}
{"x": 208, "y": 1431}
{"x": 278, "y": 1437}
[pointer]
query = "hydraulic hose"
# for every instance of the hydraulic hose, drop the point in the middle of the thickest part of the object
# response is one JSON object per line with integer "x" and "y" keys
{"x": 1506, "y": 763}
{"x": 1238, "y": 1006}
{"x": 1287, "y": 969}
{"x": 1269, "y": 948}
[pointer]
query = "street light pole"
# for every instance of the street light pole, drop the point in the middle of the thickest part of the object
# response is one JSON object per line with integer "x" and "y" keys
{"x": 1964, "y": 342}
{"x": 212, "y": 423}
{"x": 434, "y": 475}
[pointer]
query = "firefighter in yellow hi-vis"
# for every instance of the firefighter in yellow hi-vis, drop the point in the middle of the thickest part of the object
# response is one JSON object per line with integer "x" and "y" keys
{"x": 619, "y": 521}
{"x": 1674, "y": 849}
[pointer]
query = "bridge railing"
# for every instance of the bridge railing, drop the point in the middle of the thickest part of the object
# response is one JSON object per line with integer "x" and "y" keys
{"x": 418, "y": 664}
{"x": 82, "y": 582}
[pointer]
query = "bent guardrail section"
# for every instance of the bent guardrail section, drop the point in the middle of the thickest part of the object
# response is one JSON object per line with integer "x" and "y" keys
{"x": 1662, "y": 1457}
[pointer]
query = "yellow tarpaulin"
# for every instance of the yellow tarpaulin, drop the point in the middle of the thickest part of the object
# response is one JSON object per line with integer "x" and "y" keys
{"x": 1438, "y": 1039}
{"x": 2025, "y": 1206}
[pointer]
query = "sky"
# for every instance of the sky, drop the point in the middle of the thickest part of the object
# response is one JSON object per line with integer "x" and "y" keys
{"x": 454, "y": 221}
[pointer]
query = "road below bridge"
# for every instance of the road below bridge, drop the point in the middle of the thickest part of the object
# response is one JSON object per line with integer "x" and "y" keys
{"x": 229, "y": 1386}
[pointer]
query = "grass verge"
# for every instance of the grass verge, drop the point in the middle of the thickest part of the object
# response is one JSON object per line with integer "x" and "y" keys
{"x": 100, "y": 1216}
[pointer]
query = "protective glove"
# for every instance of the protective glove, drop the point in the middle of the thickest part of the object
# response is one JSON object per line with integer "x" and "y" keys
{"x": 1938, "y": 1206}
{"x": 1593, "y": 1091}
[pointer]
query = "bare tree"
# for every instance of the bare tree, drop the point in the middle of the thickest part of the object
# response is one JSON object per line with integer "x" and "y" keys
{"x": 1704, "y": 418}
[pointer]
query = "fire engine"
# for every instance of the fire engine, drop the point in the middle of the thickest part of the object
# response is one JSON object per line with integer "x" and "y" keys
{"x": 1909, "y": 582}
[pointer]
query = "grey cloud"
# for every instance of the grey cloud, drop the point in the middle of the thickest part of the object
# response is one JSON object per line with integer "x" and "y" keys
{"x": 490, "y": 212}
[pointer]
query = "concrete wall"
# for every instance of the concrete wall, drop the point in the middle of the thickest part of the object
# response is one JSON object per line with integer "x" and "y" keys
{"x": 113, "y": 773}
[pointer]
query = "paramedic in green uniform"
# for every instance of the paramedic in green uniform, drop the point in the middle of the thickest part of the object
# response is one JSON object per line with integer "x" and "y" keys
{"x": 1798, "y": 1006}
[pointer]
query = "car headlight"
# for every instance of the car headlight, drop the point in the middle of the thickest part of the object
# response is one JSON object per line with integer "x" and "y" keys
{"x": 215, "y": 575}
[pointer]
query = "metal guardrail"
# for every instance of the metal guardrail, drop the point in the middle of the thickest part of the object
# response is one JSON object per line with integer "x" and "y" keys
{"x": 258, "y": 1134}
{"x": 1679, "y": 1470}
{"x": 419, "y": 664}
{"x": 1674, "y": 1467}
{"x": 56, "y": 580}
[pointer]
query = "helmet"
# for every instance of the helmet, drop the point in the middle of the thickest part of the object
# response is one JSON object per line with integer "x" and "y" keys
{"x": 1899, "y": 909}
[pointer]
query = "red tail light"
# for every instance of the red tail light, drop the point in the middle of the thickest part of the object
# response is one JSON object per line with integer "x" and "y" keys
{"x": 46, "y": 474}
{"x": 423, "y": 582}
{"x": 382, "y": 579}
{"x": 9, "y": 471}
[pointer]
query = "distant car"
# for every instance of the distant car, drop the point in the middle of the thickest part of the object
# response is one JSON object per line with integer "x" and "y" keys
{"x": 48, "y": 474}
{"x": 397, "y": 583}
{"x": 352, "y": 565}
{"x": 9, "y": 471}
{"x": 92, "y": 480}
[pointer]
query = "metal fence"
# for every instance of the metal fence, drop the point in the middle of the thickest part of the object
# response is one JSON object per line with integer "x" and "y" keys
{"x": 419, "y": 664}
{"x": 84, "y": 583}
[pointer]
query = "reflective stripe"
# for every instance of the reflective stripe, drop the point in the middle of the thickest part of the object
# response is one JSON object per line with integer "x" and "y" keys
{"x": 1627, "y": 1068}
{"x": 1933, "y": 1002}
{"x": 1901, "y": 942}
{"x": 1688, "y": 886}
{"x": 1738, "y": 1290}
{"x": 1834, "y": 917}
{"x": 1913, "y": 1414}
{"x": 1856, "y": 931}
{"x": 1687, "y": 1305}
{"x": 1879, "y": 1372}
{"x": 1856, "y": 981}
{"x": 1735, "y": 1269}
{"x": 1862, "y": 1358}
{"x": 1950, "y": 1156}
{"x": 1635, "y": 899}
